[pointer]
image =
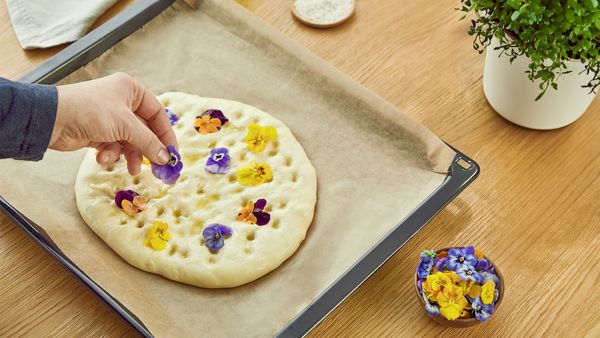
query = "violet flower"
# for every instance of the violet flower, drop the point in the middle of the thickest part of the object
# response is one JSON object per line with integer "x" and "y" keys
{"x": 484, "y": 265}
{"x": 216, "y": 114}
{"x": 173, "y": 118}
{"x": 169, "y": 173}
{"x": 482, "y": 311}
{"x": 424, "y": 267}
{"x": 461, "y": 256}
{"x": 262, "y": 217}
{"x": 430, "y": 308}
{"x": 468, "y": 272}
{"x": 218, "y": 161}
{"x": 440, "y": 264}
{"x": 214, "y": 236}
{"x": 130, "y": 201}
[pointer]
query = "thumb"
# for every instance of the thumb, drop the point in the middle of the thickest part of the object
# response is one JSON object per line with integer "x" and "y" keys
{"x": 141, "y": 137}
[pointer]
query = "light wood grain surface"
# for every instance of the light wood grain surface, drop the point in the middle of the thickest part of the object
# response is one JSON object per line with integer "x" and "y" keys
{"x": 535, "y": 209}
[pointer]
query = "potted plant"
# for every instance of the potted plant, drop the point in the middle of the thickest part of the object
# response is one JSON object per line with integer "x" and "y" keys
{"x": 542, "y": 63}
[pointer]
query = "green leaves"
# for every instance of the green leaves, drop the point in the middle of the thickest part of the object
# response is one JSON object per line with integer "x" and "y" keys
{"x": 548, "y": 31}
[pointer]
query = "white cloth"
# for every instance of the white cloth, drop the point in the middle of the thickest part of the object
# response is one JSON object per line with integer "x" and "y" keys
{"x": 46, "y": 23}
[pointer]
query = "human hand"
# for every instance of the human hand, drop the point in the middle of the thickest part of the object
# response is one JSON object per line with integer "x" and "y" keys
{"x": 114, "y": 114}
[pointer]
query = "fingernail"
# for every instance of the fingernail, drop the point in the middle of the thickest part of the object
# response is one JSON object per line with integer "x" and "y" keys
{"x": 103, "y": 158}
{"x": 163, "y": 156}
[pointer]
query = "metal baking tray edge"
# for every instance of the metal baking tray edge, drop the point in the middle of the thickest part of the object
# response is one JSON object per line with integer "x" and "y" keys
{"x": 101, "y": 39}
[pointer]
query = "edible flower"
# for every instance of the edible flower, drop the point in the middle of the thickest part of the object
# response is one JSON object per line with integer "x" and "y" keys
{"x": 145, "y": 161}
{"x": 482, "y": 311}
{"x": 258, "y": 136}
{"x": 452, "y": 302}
{"x": 430, "y": 308}
{"x": 158, "y": 236}
{"x": 253, "y": 213}
{"x": 487, "y": 292}
{"x": 468, "y": 272}
{"x": 440, "y": 263}
{"x": 461, "y": 256}
{"x": 484, "y": 265}
{"x": 424, "y": 267}
{"x": 130, "y": 201}
{"x": 210, "y": 121}
{"x": 438, "y": 280}
{"x": 214, "y": 236}
{"x": 173, "y": 118}
{"x": 169, "y": 173}
{"x": 254, "y": 174}
{"x": 218, "y": 161}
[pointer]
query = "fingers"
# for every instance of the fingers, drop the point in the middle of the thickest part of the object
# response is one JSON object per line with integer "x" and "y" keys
{"x": 146, "y": 106}
{"x": 134, "y": 159}
{"x": 138, "y": 135}
{"x": 108, "y": 153}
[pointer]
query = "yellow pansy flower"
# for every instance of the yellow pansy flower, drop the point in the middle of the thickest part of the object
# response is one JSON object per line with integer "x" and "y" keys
{"x": 453, "y": 276}
{"x": 487, "y": 292}
{"x": 158, "y": 236}
{"x": 465, "y": 286}
{"x": 452, "y": 302}
{"x": 430, "y": 293}
{"x": 145, "y": 161}
{"x": 254, "y": 174}
{"x": 438, "y": 280}
{"x": 475, "y": 291}
{"x": 258, "y": 136}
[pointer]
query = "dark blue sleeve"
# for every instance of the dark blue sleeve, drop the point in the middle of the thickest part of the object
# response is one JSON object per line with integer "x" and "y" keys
{"x": 27, "y": 115}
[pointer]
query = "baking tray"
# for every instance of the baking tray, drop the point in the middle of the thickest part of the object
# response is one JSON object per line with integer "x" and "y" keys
{"x": 462, "y": 172}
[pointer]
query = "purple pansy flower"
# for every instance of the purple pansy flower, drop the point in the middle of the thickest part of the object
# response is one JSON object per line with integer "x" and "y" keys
{"x": 124, "y": 195}
{"x": 468, "y": 272}
{"x": 169, "y": 173}
{"x": 430, "y": 308}
{"x": 216, "y": 114}
{"x": 262, "y": 217}
{"x": 218, "y": 161}
{"x": 484, "y": 265}
{"x": 482, "y": 311}
{"x": 440, "y": 264}
{"x": 173, "y": 118}
{"x": 461, "y": 256}
{"x": 486, "y": 276}
{"x": 424, "y": 267}
{"x": 214, "y": 236}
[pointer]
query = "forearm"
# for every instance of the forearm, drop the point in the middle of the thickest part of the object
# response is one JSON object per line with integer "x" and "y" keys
{"x": 27, "y": 116}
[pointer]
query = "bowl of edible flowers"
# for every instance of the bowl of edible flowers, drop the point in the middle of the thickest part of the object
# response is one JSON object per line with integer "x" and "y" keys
{"x": 459, "y": 287}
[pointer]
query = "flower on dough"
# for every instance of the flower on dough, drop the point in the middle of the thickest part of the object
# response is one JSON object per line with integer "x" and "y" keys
{"x": 173, "y": 118}
{"x": 145, "y": 161}
{"x": 452, "y": 302}
{"x": 482, "y": 311}
{"x": 254, "y": 173}
{"x": 210, "y": 121}
{"x": 214, "y": 236}
{"x": 253, "y": 213}
{"x": 218, "y": 161}
{"x": 158, "y": 236}
{"x": 461, "y": 256}
{"x": 169, "y": 173}
{"x": 130, "y": 201}
{"x": 258, "y": 136}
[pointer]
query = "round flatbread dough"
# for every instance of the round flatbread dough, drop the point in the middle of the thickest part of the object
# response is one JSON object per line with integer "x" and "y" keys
{"x": 200, "y": 198}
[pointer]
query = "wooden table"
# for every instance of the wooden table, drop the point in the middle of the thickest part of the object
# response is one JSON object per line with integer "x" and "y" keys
{"x": 535, "y": 209}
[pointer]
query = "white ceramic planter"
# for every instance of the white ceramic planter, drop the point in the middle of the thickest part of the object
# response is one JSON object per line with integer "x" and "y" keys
{"x": 511, "y": 93}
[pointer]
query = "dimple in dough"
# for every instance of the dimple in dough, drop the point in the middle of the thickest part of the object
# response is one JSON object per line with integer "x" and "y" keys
{"x": 200, "y": 198}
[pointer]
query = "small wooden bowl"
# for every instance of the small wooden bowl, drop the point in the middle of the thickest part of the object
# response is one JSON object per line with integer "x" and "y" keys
{"x": 465, "y": 322}
{"x": 307, "y": 22}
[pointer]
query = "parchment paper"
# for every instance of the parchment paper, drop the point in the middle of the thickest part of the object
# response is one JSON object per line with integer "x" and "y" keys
{"x": 374, "y": 166}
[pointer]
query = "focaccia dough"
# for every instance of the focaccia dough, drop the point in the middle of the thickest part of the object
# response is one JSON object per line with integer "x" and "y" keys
{"x": 199, "y": 199}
